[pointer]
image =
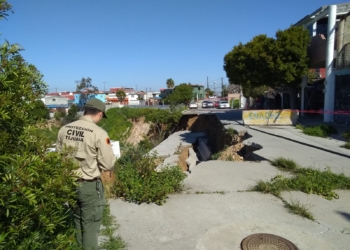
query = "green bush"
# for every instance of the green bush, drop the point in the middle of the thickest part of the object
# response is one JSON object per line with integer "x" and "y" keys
{"x": 137, "y": 181}
{"x": 36, "y": 194}
{"x": 236, "y": 104}
{"x": 346, "y": 145}
{"x": 346, "y": 135}
{"x": 320, "y": 130}
{"x": 35, "y": 185}
{"x": 307, "y": 180}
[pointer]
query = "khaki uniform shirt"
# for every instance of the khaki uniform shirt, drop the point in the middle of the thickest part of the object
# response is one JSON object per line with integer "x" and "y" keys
{"x": 93, "y": 150}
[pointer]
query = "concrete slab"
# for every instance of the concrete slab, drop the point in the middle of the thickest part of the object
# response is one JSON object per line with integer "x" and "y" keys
{"x": 173, "y": 142}
{"x": 228, "y": 176}
{"x": 215, "y": 221}
{"x": 282, "y": 142}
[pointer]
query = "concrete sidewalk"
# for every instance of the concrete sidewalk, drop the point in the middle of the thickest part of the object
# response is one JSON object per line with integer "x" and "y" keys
{"x": 214, "y": 212}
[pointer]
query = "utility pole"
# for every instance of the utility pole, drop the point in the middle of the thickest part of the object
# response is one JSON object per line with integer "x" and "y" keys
{"x": 222, "y": 87}
{"x": 207, "y": 83}
{"x": 214, "y": 88}
{"x": 146, "y": 97}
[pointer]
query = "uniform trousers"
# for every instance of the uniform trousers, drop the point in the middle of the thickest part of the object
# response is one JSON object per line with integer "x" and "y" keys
{"x": 88, "y": 213}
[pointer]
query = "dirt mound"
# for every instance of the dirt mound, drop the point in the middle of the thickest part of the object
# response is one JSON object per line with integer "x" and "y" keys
{"x": 139, "y": 131}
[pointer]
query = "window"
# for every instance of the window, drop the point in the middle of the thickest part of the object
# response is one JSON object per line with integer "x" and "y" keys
{"x": 53, "y": 99}
{"x": 132, "y": 96}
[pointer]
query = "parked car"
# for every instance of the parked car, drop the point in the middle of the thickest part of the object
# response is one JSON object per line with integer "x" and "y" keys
{"x": 210, "y": 104}
{"x": 193, "y": 105}
{"x": 223, "y": 105}
{"x": 204, "y": 104}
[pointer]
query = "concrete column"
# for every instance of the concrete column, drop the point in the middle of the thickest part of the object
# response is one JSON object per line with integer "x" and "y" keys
{"x": 314, "y": 29}
{"x": 330, "y": 80}
{"x": 303, "y": 85}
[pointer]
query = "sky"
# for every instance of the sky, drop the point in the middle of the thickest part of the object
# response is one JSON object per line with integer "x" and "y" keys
{"x": 141, "y": 43}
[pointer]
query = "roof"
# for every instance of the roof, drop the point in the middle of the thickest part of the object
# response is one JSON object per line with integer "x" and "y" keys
{"x": 342, "y": 9}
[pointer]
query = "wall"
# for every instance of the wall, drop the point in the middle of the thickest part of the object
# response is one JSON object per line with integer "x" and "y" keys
{"x": 342, "y": 98}
{"x": 56, "y": 102}
{"x": 270, "y": 117}
{"x": 77, "y": 101}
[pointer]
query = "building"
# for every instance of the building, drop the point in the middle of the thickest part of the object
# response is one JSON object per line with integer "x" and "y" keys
{"x": 329, "y": 27}
{"x": 198, "y": 91}
{"x": 164, "y": 93}
{"x": 54, "y": 102}
{"x": 81, "y": 98}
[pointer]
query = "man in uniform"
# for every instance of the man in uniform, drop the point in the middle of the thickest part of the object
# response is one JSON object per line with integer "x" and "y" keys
{"x": 93, "y": 153}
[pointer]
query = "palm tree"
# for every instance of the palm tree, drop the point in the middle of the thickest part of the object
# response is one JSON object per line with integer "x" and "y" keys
{"x": 170, "y": 83}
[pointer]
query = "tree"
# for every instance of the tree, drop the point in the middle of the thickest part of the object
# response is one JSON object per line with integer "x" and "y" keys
{"x": 233, "y": 88}
{"x": 291, "y": 59}
{"x": 266, "y": 62}
{"x": 170, "y": 83}
{"x": 34, "y": 184}
{"x": 39, "y": 111}
{"x": 209, "y": 92}
{"x": 4, "y": 8}
{"x": 71, "y": 116}
{"x": 121, "y": 95}
{"x": 224, "y": 91}
{"x": 181, "y": 94}
{"x": 86, "y": 90}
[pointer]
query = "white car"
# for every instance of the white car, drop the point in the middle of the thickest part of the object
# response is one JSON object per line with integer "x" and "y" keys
{"x": 193, "y": 105}
{"x": 223, "y": 105}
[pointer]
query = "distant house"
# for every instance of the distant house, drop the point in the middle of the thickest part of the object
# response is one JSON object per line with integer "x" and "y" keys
{"x": 80, "y": 102}
{"x": 54, "y": 102}
{"x": 164, "y": 93}
{"x": 198, "y": 91}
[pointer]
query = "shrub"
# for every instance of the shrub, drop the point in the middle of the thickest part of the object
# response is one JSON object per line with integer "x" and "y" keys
{"x": 284, "y": 164}
{"x": 320, "y": 130}
{"x": 346, "y": 145}
{"x": 137, "y": 181}
{"x": 35, "y": 185}
{"x": 307, "y": 180}
{"x": 37, "y": 192}
{"x": 236, "y": 104}
{"x": 346, "y": 135}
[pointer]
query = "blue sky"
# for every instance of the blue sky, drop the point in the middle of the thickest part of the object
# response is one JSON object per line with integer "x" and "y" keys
{"x": 141, "y": 43}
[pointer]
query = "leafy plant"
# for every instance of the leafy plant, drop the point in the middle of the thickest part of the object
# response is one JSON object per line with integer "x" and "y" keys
{"x": 322, "y": 130}
{"x": 137, "y": 181}
{"x": 307, "y": 180}
{"x": 111, "y": 242}
{"x": 284, "y": 164}
{"x": 37, "y": 193}
{"x": 346, "y": 145}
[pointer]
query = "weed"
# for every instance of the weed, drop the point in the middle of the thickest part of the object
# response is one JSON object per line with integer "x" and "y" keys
{"x": 322, "y": 130}
{"x": 111, "y": 242}
{"x": 284, "y": 164}
{"x": 307, "y": 180}
{"x": 298, "y": 126}
{"x": 232, "y": 131}
{"x": 137, "y": 181}
{"x": 296, "y": 207}
{"x": 346, "y": 135}
{"x": 346, "y": 145}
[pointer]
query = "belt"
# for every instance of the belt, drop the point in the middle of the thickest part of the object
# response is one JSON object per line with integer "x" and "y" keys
{"x": 84, "y": 180}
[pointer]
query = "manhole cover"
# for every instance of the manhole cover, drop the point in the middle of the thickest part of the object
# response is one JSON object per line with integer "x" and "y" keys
{"x": 266, "y": 242}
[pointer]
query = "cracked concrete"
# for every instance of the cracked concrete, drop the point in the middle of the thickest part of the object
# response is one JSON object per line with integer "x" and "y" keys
{"x": 221, "y": 221}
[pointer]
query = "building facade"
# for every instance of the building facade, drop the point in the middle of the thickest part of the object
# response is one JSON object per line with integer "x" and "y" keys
{"x": 329, "y": 28}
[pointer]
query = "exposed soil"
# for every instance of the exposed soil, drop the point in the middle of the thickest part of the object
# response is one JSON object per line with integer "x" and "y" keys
{"x": 139, "y": 131}
{"x": 183, "y": 157}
